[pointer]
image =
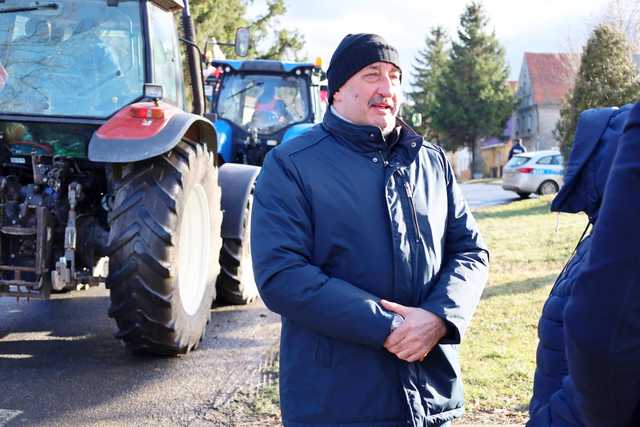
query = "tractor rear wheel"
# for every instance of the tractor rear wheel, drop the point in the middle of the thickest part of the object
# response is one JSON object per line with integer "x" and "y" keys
{"x": 164, "y": 245}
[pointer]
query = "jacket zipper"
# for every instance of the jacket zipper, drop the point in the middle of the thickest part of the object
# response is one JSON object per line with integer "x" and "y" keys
{"x": 418, "y": 239}
{"x": 414, "y": 215}
{"x": 393, "y": 233}
{"x": 385, "y": 162}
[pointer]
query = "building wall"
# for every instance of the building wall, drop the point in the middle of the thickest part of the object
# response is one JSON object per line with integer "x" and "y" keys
{"x": 461, "y": 163}
{"x": 543, "y": 138}
{"x": 525, "y": 114}
{"x": 494, "y": 159}
{"x": 535, "y": 125}
{"x": 526, "y": 122}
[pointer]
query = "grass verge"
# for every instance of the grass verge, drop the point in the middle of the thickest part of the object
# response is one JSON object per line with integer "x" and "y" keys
{"x": 529, "y": 245}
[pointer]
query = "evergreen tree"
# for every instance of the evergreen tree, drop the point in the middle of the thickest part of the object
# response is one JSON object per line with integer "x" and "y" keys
{"x": 607, "y": 77}
{"x": 287, "y": 43}
{"x": 430, "y": 65}
{"x": 474, "y": 100}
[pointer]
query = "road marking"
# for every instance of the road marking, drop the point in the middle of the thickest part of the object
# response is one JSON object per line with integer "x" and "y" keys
{"x": 7, "y": 415}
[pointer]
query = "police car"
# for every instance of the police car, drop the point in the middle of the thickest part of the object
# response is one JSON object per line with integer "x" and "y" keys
{"x": 538, "y": 172}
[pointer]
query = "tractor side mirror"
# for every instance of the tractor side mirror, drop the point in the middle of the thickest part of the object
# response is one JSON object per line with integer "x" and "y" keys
{"x": 242, "y": 42}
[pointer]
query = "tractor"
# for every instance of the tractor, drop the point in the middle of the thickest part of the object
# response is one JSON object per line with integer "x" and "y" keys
{"x": 258, "y": 104}
{"x": 106, "y": 178}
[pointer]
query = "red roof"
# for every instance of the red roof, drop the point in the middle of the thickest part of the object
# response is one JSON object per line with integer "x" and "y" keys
{"x": 551, "y": 76}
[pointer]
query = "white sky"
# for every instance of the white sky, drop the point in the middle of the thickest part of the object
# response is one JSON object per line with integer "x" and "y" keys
{"x": 520, "y": 25}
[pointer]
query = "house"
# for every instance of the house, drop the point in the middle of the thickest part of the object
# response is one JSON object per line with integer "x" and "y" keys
{"x": 461, "y": 163}
{"x": 545, "y": 79}
{"x": 495, "y": 151}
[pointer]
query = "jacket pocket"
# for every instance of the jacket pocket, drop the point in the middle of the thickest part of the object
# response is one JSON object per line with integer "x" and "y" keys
{"x": 324, "y": 351}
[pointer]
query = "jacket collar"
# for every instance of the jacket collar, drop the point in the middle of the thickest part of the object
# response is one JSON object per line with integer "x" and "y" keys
{"x": 403, "y": 142}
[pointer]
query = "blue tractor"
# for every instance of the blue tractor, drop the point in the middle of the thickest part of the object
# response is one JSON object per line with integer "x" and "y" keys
{"x": 258, "y": 104}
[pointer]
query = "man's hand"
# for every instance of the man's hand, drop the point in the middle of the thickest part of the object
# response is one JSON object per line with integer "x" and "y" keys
{"x": 417, "y": 335}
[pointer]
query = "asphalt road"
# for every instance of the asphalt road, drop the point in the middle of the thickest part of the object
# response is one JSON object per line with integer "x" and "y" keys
{"x": 483, "y": 195}
{"x": 60, "y": 365}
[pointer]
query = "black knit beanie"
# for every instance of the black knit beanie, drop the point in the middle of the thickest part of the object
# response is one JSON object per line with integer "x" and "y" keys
{"x": 355, "y": 52}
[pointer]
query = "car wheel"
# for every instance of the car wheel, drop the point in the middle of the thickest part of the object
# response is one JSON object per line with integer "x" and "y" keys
{"x": 548, "y": 187}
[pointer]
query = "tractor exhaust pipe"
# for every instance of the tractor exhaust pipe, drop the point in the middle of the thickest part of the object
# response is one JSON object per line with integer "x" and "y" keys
{"x": 194, "y": 60}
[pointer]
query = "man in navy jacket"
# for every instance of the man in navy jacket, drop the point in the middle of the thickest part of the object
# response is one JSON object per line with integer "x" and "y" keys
{"x": 362, "y": 242}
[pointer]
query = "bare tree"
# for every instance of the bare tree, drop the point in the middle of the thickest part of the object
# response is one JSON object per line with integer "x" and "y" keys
{"x": 624, "y": 15}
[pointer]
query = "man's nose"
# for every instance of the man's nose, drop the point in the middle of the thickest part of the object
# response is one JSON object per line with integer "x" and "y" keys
{"x": 385, "y": 87}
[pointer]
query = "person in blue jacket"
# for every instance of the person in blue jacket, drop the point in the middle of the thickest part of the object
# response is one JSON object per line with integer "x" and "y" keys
{"x": 602, "y": 318}
{"x": 517, "y": 148}
{"x": 363, "y": 243}
{"x": 594, "y": 147}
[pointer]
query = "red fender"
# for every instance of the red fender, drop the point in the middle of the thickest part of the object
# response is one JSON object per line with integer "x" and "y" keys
{"x": 145, "y": 130}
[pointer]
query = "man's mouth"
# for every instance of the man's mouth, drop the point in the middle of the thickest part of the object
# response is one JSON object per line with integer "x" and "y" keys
{"x": 380, "y": 103}
{"x": 382, "y": 106}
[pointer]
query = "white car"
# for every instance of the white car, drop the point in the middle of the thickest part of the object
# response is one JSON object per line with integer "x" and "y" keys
{"x": 540, "y": 172}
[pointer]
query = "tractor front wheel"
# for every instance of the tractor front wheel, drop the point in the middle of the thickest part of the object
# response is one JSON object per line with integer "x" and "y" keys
{"x": 236, "y": 282}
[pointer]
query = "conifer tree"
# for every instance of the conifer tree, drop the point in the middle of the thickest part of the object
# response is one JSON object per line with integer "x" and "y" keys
{"x": 430, "y": 65}
{"x": 607, "y": 77}
{"x": 221, "y": 18}
{"x": 474, "y": 100}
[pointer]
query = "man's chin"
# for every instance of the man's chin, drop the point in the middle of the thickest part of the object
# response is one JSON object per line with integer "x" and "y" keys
{"x": 387, "y": 128}
{"x": 384, "y": 122}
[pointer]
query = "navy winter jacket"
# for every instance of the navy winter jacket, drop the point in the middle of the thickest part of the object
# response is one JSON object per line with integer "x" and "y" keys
{"x": 588, "y": 167}
{"x": 603, "y": 313}
{"x": 341, "y": 220}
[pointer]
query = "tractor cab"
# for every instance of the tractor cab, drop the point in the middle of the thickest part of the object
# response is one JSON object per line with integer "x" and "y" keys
{"x": 259, "y": 104}
{"x": 67, "y": 66}
{"x": 80, "y": 58}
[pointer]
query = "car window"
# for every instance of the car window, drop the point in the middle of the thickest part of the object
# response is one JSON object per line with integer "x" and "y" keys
{"x": 546, "y": 160}
{"x": 557, "y": 160}
{"x": 518, "y": 161}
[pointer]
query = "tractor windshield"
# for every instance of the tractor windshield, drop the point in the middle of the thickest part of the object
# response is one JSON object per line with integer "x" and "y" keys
{"x": 79, "y": 58}
{"x": 266, "y": 103}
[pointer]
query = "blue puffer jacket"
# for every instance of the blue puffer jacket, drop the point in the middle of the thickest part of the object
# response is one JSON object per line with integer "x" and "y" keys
{"x": 594, "y": 147}
{"x": 340, "y": 220}
{"x": 602, "y": 317}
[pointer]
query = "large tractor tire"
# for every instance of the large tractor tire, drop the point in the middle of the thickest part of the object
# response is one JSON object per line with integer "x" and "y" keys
{"x": 164, "y": 245}
{"x": 236, "y": 282}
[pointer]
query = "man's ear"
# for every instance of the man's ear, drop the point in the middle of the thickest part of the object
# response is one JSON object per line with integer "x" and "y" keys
{"x": 337, "y": 96}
